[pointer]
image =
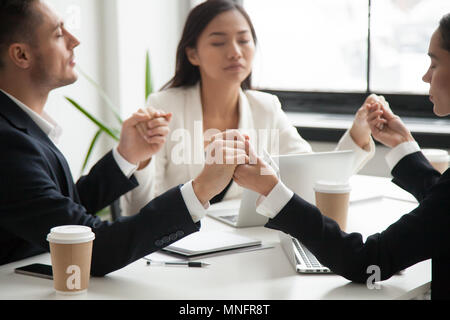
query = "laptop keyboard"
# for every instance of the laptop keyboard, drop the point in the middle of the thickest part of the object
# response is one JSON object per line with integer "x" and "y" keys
{"x": 232, "y": 219}
{"x": 310, "y": 260}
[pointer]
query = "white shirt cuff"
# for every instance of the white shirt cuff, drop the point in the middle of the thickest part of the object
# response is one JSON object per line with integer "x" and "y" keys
{"x": 127, "y": 168}
{"x": 362, "y": 156}
{"x": 195, "y": 208}
{"x": 399, "y": 152}
{"x": 277, "y": 199}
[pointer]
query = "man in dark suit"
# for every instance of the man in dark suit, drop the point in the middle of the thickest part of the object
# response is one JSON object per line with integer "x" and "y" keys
{"x": 420, "y": 235}
{"x": 37, "y": 191}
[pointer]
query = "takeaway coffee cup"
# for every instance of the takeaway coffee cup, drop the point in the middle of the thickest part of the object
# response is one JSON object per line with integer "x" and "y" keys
{"x": 438, "y": 158}
{"x": 71, "y": 253}
{"x": 332, "y": 199}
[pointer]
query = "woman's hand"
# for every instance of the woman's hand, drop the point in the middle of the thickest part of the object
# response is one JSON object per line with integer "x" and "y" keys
{"x": 133, "y": 146}
{"x": 257, "y": 175}
{"x": 223, "y": 155}
{"x": 360, "y": 130}
{"x": 154, "y": 132}
{"x": 386, "y": 127}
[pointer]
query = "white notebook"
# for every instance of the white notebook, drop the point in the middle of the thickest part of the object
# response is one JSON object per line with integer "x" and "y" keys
{"x": 200, "y": 243}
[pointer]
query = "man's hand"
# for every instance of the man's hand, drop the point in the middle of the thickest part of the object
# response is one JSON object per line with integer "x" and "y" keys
{"x": 143, "y": 135}
{"x": 360, "y": 130}
{"x": 223, "y": 155}
{"x": 257, "y": 176}
{"x": 386, "y": 127}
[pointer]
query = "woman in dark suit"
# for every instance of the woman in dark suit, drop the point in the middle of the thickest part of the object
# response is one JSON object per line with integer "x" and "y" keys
{"x": 420, "y": 235}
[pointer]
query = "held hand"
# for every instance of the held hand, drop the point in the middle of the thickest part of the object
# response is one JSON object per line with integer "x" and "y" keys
{"x": 386, "y": 127}
{"x": 136, "y": 147}
{"x": 157, "y": 126}
{"x": 360, "y": 130}
{"x": 257, "y": 176}
{"x": 152, "y": 131}
{"x": 223, "y": 155}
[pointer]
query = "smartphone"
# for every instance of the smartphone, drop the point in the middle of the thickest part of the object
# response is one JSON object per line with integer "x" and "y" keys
{"x": 36, "y": 270}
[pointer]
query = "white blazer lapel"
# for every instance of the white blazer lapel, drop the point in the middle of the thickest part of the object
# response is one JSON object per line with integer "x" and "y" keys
{"x": 247, "y": 126}
{"x": 245, "y": 114}
{"x": 194, "y": 125}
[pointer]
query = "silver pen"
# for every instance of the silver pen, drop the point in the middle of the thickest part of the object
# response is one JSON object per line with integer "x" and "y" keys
{"x": 190, "y": 264}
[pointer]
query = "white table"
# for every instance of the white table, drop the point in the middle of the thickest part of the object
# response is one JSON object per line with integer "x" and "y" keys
{"x": 258, "y": 275}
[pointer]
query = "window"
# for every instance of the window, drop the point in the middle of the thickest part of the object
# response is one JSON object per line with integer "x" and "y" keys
{"x": 400, "y": 35}
{"x": 328, "y": 55}
{"x": 310, "y": 45}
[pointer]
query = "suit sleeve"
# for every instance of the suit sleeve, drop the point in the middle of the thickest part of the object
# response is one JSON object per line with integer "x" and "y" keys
{"x": 31, "y": 205}
{"x": 420, "y": 235}
{"x": 415, "y": 174}
{"x": 406, "y": 242}
{"x": 104, "y": 184}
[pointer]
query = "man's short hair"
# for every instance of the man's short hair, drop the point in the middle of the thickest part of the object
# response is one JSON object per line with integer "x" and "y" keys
{"x": 444, "y": 28}
{"x": 18, "y": 22}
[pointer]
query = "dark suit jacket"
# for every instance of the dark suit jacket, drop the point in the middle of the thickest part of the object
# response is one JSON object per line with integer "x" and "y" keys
{"x": 420, "y": 235}
{"x": 37, "y": 193}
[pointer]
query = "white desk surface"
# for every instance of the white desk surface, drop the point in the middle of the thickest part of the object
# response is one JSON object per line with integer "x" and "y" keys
{"x": 258, "y": 275}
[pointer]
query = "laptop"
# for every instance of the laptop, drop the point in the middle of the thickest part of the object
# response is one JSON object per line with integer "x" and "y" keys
{"x": 238, "y": 213}
{"x": 299, "y": 173}
{"x": 300, "y": 257}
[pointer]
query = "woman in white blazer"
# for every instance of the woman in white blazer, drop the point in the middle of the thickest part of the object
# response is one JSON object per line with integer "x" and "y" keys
{"x": 210, "y": 92}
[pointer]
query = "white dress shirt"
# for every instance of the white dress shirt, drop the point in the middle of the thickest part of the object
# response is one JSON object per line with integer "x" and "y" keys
{"x": 279, "y": 197}
{"x": 54, "y": 132}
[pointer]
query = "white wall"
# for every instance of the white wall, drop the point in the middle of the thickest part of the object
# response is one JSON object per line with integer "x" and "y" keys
{"x": 155, "y": 26}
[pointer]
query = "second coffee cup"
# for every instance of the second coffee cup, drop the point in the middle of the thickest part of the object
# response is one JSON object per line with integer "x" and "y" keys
{"x": 71, "y": 254}
{"x": 438, "y": 159}
{"x": 332, "y": 199}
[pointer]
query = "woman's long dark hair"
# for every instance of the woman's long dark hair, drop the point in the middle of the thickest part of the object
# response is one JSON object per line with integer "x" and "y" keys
{"x": 444, "y": 28}
{"x": 187, "y": 74}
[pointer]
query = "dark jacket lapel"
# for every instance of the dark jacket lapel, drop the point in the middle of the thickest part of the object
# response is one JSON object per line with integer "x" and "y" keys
{"x": 12, "y": 113}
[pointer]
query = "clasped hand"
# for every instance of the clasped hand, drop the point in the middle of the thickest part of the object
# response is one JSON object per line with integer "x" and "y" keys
{"x": 143, "y": 135}
{"x": 385, "y": 126}
{"x": 229, "y": 155}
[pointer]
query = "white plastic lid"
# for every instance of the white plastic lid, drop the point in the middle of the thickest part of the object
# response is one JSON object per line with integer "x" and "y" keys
{"x": 332, "y": 187}
{"x": 70, "y": 234}
{"x": 436, "y": 155}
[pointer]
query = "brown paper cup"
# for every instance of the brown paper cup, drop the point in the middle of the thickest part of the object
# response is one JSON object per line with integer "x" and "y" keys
{"x": 437, "y": 158}
{"x": 71, "y": 254}
{"x": 332, "y": 199}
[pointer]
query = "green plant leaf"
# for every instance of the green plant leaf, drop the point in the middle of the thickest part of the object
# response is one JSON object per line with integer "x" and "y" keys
{"x": 91, "y": 147}
{"x": 148, "y": 77}
{"x": 103, "y": 95}
{"x": 93, "y": 119}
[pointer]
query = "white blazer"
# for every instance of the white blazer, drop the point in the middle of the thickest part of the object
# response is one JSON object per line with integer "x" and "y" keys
{"x": 182, "y": 157}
